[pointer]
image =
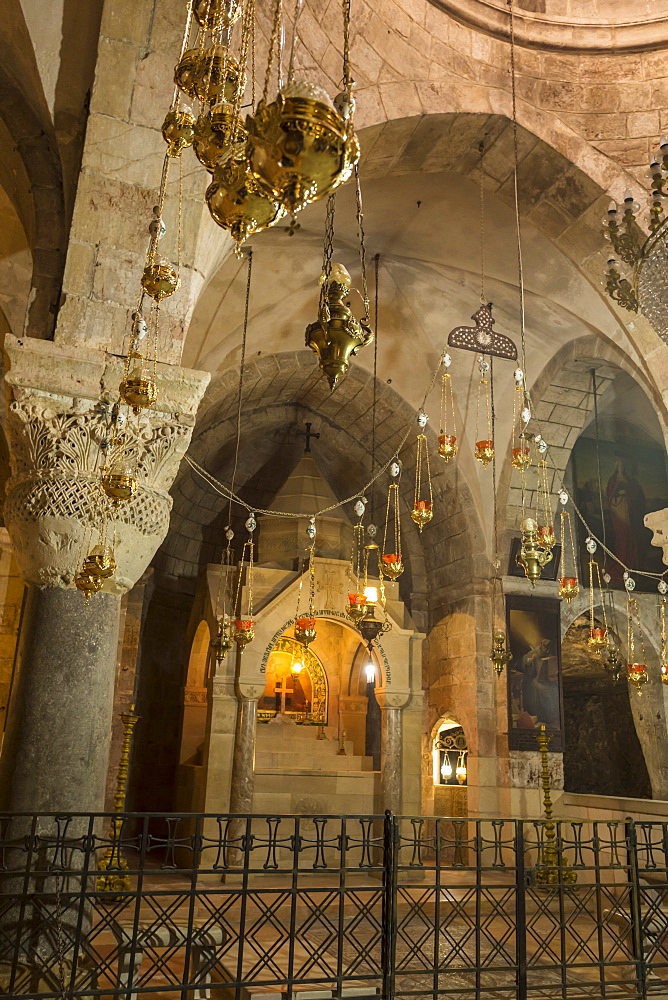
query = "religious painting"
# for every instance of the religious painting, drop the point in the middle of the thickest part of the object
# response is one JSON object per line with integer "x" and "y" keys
{"x": 534, "y": 671}
{"x": 296, "y": 685}
{"x": 632, "y": 483}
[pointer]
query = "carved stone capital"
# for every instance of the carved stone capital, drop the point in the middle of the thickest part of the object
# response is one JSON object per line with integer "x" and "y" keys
{"x": 58, "y": 425}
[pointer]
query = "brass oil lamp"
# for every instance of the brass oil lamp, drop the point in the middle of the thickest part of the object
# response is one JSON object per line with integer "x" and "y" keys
{"x": 546, "y": 536}
{"x": 637, "y": 674}
{"x": 305, "y": 631}
{"x": 664, "y": 640}
{"x": 236, "y": 201}
{"x": 532, "y": 556}
{"x": 159, "y": 279}
{"x": 87, "y": 584}
{"x": 356, "y": 607}
{"x": 499, "y": 656}
{"x": 178, "y": 130}
{"x": 137, "y": 389}
{"x": 98, "y": 566}
{"x": 447, "y": 446}
{"x": 368, "y": 625}
{"x": 392, "y": 565}
{"x": 484, "y": 446}
{"x": 209, "y": 76}
{"x": 422, "y": 513}
{"x": 119, "y": 482}
{"x": 521, "y": 457}
{"x": 223, "y": 642}
{"x": 447, "y": 440}
{"x": 569, "y": 588}
{"x": 214, "y": 134}
{"x": 244, "y": 631}
{"x": 484, "y": 452}
{"x": 337, "y": 335}
{"x": 597, "y": 639}
{"x": 300, "y": 148}
{"x": 216, "y": 15}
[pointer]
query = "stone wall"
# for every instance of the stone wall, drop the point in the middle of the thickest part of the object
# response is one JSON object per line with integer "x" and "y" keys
{"x": 11, "y": 601}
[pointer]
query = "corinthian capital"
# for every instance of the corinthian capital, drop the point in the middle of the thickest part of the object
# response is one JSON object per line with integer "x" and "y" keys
{"x": 59, "y": 425}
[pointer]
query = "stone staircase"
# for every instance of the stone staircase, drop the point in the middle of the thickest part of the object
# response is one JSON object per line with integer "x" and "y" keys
{"x": 295, "y": 772}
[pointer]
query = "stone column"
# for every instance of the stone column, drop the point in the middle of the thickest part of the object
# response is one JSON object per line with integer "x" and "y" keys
{"x": 243, "y": 760}
{"x": 391, "y": 704}
{"x": 57, "y": 743}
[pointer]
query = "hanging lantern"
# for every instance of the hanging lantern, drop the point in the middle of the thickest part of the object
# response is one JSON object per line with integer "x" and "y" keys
{"x": 178, "y": 130}
{"x": 484, "y": 447}
{"x": 236, "y": 201}
{"x": 337, "y": 335}
{"x": 521, "y": 452}
{"x": 357, "y": 601}
{"x": 569, "y": 588}
{"x": 217, "y": 15}
{"x": 532, "y": 556}
{"x": 300, "y": 148}
{"x": 87, "y": 584}
{"x": 521, "y": 455}
{"x": 422, "y": 512}
{"x": 99, "y": 565}
{"x": 223, "y": 642}
{"x": 391, "y": 563}
{"x": 499, "y": 656}
{"x": 546, "y": 534}
{"x": 244, "y": 628}
{"x": 636, "y": 672}
{"x": 664, "y": 644}
{"x": 447, "y": 440}
{"x": 209, "y": 76}
{"x": 305, "y": 624}
{"x": 159, "y": 279}
{"x": 356, "y": 606}
{"x": 138, "y": 389}
{"x": 598, "y": 636}
{"x": 211, "y": 141}
{"x": 119, "y": 481}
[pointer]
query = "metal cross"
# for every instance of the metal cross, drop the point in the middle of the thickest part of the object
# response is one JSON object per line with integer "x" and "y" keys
{"x": 308, "y": 434}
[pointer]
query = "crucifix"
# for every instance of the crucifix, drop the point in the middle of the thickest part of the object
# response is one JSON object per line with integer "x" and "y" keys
{"x": 308, "y": 434}
{"x": 283, "y": 690}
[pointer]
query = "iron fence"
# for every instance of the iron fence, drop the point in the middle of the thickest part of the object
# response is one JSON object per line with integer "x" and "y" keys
{"x": 241, "y": 907}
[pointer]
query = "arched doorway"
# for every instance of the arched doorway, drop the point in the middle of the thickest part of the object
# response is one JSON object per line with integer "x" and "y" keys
{"x": 602, "y": 752}
{"x": 296, "y": 685}
{"x": 449, "y": 752}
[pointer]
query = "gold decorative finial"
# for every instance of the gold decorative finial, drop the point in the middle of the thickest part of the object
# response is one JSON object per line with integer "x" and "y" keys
{"x": 550, "y": 868}
{"x": 113, "y": 864}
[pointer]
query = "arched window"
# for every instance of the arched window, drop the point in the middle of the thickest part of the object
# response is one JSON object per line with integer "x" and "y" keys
{"x": 450, "y": 752}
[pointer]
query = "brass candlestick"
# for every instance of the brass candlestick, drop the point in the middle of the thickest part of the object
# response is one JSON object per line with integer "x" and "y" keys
{"x": 113, "y": 864}
{"x": 550, "y": 869}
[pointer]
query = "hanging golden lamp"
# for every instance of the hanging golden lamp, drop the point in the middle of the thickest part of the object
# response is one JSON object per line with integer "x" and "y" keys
{"x": 636, "y": 672}
{"x": 178, "y": 130}
{"x": 598, "y": 639}
{"x": 236, "y": 201}
{"x": 305, "y": 625}
{"x": 223, "y": 641}
{"x": 217, "y": 15}
{"x": 215, "y": 131}
{"x": 569, "y": 587}
{"x": 300, "y": 149}
{"x": 532, "y": 556}
{"x": 391, "y": 561}
{"x": 521, "y": 450}
{"x": 484, "y": 446}
{"x": 357, "y": 599}
{"x": 422, "y": 511}
{"x": 209, "y": 75}
{"x": 244, "y": 627}
{"x": 546, "y": 534}
{"x": 447, "y": 439}
{"x": 499, "y": 656}
{"x": 337, "y": 335}
{"x": 98, "y": 566}
{"x": 119, "y": 480}
{"x": 664, "y": 641}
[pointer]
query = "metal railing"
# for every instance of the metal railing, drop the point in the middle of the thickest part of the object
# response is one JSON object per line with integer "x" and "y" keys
{"x": 341, "y": 906}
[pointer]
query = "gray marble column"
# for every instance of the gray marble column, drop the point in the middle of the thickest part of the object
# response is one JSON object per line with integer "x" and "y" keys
{"x": 390, "y": 759}
{"x": 56, "y": 746}
{"x": 243, "y": 761}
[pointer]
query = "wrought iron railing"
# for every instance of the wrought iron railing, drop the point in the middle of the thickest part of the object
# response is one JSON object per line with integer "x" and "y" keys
{"x": 341, "y": 906}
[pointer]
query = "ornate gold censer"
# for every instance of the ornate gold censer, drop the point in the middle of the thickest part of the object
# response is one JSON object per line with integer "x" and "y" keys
{"x": 337, "y": 335}
{"x": 236, "y": 200}
{"x": 299, "y": 147}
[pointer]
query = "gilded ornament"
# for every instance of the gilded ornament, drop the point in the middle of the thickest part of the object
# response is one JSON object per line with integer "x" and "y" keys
{"x": 137, "y": 389}
{"x": 214, "y": 133}
{"x": 236, "y": 201}
{"x": 637, "y": 674}
{"x": 244, "y": 631}
{"x": 305, "y": 630}
{"x": 87, "y": 584}
{"x": 119, "y": 482}
{"x": 216, "y": 15}
{"x": 392, "y": 565}
{"x": 337, "y": 335}
{"x": 447, "y": 446}
{"x": 160, "y": 279}
{"x": 422, "y": 513}
{"x": 300, "y": 149}
{"x": 178, "y": 130}
{"x": 499, "y": 655}
{"x": 209, "y": 76}
{"x": 532, "y": 555}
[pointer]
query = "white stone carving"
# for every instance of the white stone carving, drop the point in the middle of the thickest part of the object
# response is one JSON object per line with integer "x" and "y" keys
{"x": 657, "y": 522}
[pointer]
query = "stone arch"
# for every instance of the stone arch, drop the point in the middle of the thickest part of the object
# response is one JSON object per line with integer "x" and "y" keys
{"x": 649, "y": 709}
{"x": 195, "y": 694}
{"x": 315, "y": 668}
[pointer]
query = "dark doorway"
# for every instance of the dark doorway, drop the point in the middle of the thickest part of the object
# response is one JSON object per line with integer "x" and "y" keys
{"x": 602, "y": 752}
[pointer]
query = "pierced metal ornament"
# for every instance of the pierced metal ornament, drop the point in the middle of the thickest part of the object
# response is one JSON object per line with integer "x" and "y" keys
{"x": 482, "y": 336}
{"x": 590, "y": 545}
{"x": 251, "y": 523}
{"x": 662, "y": 587}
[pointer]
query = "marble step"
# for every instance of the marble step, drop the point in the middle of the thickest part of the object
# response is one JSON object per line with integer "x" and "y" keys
{"x": 277, "y": 742}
